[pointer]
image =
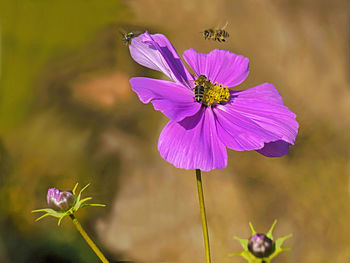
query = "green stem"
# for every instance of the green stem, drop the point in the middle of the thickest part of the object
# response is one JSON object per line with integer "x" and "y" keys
{"x": 203, "y": 216}
{"x": 88, "y": 239}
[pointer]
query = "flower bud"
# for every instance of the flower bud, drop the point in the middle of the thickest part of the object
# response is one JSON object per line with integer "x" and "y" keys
{"x": 60, "y": 200}
{"x": 261, "y": 246}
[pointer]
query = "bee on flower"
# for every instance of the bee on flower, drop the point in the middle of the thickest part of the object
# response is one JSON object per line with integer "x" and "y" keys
{"x": 206, "y": 119}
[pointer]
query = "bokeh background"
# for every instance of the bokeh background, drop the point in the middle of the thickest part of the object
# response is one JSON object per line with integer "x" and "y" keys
{"x": 67, "y": 115}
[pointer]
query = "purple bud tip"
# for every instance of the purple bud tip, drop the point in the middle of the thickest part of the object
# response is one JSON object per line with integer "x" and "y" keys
{"x": 53, "y": 193}
{"x": 261, "y": 246}
{"x": 60, "y": 200}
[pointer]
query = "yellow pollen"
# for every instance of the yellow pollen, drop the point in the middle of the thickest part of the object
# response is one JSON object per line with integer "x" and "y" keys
{"x": 215, "y": 94}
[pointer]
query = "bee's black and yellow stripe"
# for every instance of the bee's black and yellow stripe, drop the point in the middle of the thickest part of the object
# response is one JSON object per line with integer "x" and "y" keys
{"x": 198, "y": 93}
{"x": 219, "y": 35}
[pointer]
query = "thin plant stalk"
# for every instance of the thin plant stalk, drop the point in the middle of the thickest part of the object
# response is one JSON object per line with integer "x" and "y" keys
{"x": 88, "y": 239}
{"x": 203, "y": 215}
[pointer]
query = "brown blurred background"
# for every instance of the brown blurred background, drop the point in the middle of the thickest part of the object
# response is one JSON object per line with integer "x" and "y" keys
{"x": 67, "y": 115}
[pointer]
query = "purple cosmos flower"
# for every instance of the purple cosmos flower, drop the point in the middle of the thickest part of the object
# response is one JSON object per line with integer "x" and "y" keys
{"x": 60, "y": 200}
{"x": 199, "y": 131}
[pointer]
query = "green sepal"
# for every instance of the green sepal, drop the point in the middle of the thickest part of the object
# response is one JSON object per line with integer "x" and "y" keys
{"x": 250, "y": 257}
{"x": 244, "y": 242}
{"x": 279, "y": 243}
{"x": 86, "y": 205}
{"x": 75, "y": 188}
{"x": 252, "y": 228}
{"x": 77, "y": 205}
{"x": 269, "y": 234}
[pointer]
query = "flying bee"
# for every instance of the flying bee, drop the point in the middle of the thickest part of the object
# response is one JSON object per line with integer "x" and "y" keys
{"x": 126, "y": 38}
{"x": 208, "y": 34}
{"x": 219, "y": 35}
{"x": 201, "y": 84}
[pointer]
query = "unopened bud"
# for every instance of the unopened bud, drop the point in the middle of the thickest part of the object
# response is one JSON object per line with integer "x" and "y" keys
{"x": 261, "y": 246}
{"x": 60, "y": 200}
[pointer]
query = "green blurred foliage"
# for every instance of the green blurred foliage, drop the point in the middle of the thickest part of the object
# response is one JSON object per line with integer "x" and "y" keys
{"x": 39, "y": 148}
{"x": 33, "y": 32}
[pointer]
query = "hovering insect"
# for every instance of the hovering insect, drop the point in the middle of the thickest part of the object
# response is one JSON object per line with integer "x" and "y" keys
{"x": 219, "y": 35}
{"x": 126, "y": 37}
{"x": 201, "y": 84}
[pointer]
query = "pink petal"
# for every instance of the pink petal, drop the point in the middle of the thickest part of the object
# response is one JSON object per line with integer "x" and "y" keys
{"x": 193, "y": 143}
{"x": 264, "y": 106}
{"x": 239, "y": 132}
{"x": 265, "y": 91}
{"x": 275, "y": 149}
{"x": 219, "y": 66}
{"x": 172, "y": 99}
{"x": 156, "y": 52}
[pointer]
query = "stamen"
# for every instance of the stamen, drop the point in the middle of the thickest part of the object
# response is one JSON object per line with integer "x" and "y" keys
{"x": 216, "y": 94}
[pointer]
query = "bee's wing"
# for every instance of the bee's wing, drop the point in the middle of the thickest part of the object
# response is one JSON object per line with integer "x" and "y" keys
{"x": 137, "y": 32}
{"x": 192, "y": 82}
{"x": 122, "y": 33}
{"x": 224, "y": 26}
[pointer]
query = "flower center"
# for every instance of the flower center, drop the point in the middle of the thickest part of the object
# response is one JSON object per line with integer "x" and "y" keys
{"x": 208, "y": 93}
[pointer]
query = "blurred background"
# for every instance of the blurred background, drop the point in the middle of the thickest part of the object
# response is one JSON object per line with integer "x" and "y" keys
{"x": 67, "y": 115}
